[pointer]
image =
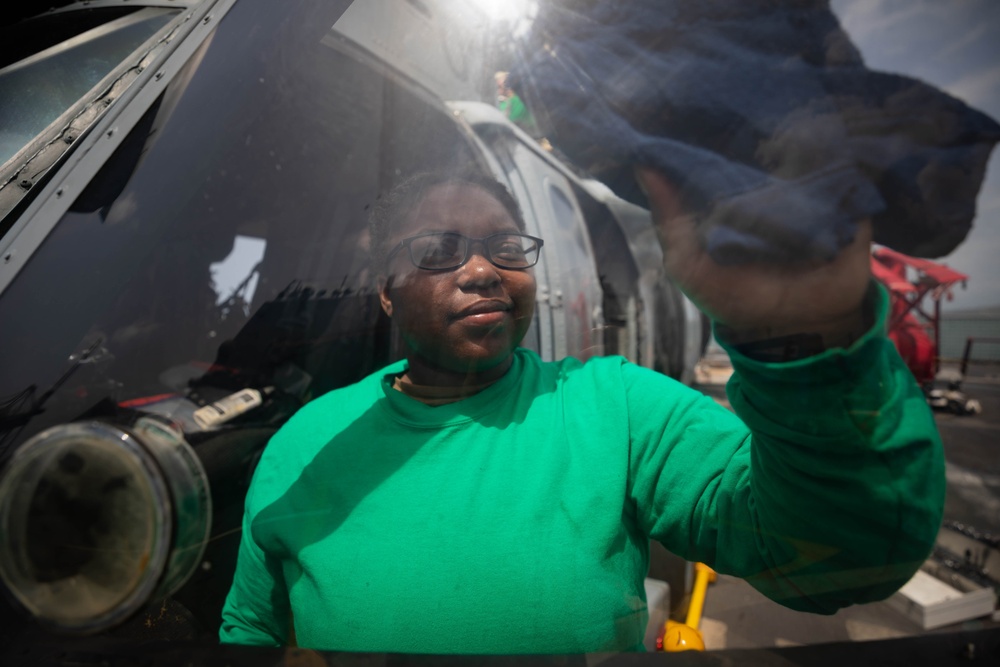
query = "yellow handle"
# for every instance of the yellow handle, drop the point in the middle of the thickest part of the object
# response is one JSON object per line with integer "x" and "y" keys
{"x": 703, "y": 576}
{"x": 686, "y": 636}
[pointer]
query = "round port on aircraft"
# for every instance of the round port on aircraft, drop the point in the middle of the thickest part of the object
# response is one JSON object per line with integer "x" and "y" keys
{"x": 97, "y": 520}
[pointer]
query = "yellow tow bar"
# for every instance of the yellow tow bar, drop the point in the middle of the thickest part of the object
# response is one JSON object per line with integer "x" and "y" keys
{"x": 686, "y": 636}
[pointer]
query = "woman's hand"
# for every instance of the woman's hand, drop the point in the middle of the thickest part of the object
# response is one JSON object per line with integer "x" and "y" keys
{"x": 759, "y": 301}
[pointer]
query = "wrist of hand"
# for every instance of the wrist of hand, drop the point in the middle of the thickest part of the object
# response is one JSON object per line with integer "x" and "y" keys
{"x": 793, "y": 342}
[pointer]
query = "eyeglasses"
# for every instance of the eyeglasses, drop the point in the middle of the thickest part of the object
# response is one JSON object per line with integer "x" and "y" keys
{"x": 440, "y": 251}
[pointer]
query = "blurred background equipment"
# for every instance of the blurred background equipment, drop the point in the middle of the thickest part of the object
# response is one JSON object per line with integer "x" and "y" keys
{"x": 915, "y": 326}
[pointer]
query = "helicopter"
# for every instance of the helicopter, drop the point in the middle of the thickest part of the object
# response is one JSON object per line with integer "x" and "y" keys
{"x": 183, "y": 228}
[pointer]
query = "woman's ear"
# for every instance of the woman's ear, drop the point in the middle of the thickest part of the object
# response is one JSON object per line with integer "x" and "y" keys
{"x": 383, "y": 294}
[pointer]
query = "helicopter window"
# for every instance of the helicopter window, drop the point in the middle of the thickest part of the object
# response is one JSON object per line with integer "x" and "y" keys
{"x": 567, "y": 218}
{"x": 190, "y": 302}
{"x": 218, "y": 261}
{"x": 234, "y": 279}
{"x": 36, "y": 89}
{"x": 247, "y": 289}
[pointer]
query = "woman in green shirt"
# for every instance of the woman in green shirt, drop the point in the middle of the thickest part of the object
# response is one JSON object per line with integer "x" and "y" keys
{"x": 474, "y": 499}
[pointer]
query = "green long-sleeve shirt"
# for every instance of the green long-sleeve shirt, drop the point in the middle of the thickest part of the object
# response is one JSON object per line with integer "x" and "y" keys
{"x": 517, "y": 520}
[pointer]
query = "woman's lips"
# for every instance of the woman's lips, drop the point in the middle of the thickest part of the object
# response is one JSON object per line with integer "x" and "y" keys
{"x": 484, "y": 313}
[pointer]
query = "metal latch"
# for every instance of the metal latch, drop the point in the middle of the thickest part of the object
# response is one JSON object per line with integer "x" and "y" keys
{"x": 555, "y": 299}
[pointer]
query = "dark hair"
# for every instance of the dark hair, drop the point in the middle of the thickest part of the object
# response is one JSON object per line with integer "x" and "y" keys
{"x": 389, "y": 212}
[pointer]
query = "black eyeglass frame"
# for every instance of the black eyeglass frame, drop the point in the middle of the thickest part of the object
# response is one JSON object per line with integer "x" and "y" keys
{"x": 470, "y": 242}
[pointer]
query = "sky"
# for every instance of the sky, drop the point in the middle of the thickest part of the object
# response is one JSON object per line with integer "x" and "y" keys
{"x": 954, "y": 45}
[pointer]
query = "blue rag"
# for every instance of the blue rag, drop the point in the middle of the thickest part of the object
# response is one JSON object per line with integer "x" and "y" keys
{"x": 764, "y": 115}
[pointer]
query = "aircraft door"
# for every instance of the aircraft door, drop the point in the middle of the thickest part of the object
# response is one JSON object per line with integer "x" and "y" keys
{"x": 540, "y": 335}
{"x": 572, "y": 292}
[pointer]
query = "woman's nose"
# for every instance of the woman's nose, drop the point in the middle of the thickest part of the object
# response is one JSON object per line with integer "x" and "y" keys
{"x": 478, "y": 270}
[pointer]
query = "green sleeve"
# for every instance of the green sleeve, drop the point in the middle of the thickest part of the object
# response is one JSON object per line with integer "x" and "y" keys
{"x": 257, "y": 611}
{"x": 836, "y": 497}
{"x": 516, "y": 110}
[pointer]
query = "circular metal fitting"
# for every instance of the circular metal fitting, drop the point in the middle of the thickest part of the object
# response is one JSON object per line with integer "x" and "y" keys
{"x": 97, "y": 520}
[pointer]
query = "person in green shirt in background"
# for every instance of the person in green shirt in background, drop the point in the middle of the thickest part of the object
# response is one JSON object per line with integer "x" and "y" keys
{"x": 513, "y": 107}
{"x": 474, "y": 499}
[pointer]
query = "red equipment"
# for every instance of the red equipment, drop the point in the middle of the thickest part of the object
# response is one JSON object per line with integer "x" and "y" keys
{"x": 917, "y": 339}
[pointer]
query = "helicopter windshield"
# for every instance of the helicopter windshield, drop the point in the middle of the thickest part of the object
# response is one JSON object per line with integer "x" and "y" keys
{"x": 193, "y": 269}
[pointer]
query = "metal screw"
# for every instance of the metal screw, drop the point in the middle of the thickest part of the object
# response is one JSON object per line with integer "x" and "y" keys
{"x": 6, "y": 258}
{"x": 159, "y": 75}
{"x": 59, "y": 192}
{"x": 69, "y": 138}
{"x": 107, "y": 101}
{"x": 26, "y": 184}
{"x": 207, "y": 19}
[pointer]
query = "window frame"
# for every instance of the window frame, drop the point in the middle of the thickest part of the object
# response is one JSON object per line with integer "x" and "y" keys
{"x": 38, "y": 184}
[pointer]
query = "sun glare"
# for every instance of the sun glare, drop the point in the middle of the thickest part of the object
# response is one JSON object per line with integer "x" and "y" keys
{"x": 504, "y": 10}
